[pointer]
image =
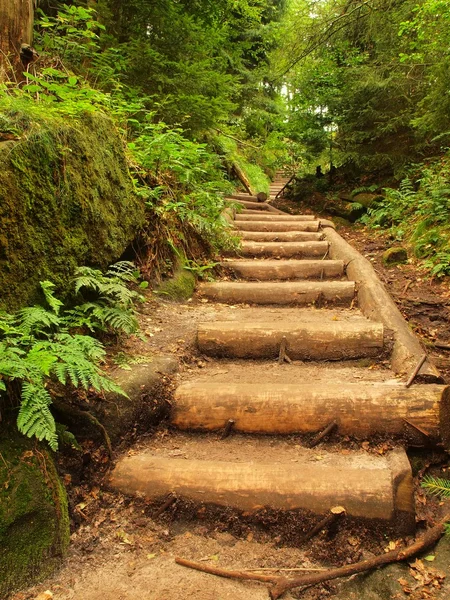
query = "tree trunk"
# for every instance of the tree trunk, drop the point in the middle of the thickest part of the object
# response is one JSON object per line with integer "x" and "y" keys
{"x": 16, "y": 28}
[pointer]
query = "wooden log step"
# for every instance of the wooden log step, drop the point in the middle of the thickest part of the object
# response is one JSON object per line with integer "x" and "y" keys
{"x": 279, "y": 292}
{"x": 266, "y": 270}
{"x": 276, "y": 225}
{"x": 282, "y": 236}
{"x": 252, "y": 205}
{"x": 299, "y": 249}
{"x": 367, "y": 486}
{"x": 244, "y": 197}
{"x": 273, "y": 408}
{"x": 326, "y": 340}
{"x": 268, "y": 217}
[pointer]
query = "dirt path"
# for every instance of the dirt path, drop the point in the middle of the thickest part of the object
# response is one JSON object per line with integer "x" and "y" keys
{"x": 238, "y": 338}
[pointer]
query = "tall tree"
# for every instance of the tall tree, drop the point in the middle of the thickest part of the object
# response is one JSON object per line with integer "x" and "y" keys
{"x": 16, "y": 30}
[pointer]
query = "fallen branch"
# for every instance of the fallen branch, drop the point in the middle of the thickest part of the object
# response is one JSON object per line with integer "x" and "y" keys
{"x": 281, "y": 584}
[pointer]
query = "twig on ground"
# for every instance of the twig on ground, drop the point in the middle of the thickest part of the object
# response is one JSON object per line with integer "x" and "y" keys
{"x": 416, "y": 371}
{"x": 167, "y": 504}
{"x": 282, "y": 357}
{"x": 335, "y": 513}
{"x": 323, "y": 434}
{"x": 228, "y": 429}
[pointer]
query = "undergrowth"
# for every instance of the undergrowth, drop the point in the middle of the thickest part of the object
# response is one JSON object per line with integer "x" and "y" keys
{"x": 417, "y": 213}
{"x": 46, "y": 346}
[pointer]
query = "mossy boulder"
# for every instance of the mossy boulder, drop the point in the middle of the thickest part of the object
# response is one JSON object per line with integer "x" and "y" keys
{"x": 66, "y": 199}
{"x": 394, "y": 256}
{"x": 34, "y": 523}
{"x": 179, "y": 287}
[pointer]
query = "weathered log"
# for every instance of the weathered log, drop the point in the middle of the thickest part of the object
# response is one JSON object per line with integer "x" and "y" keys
{"x": 358, "y": 409}
{"x": 368, "y": 486}
{"x": 282, "y": 236}
{"x": 266, "y": 270}
{"x": 376, "y": 303}
{"x": 276, "y": 226}
{"x": 267, "y": 217}
{"x": 298, "y": 249}
{"x": 327, "y": 340}
{"x": 279, "y": 292}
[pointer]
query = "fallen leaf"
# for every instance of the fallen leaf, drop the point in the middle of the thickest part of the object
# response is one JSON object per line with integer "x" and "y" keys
{"x": 430, "y": 558}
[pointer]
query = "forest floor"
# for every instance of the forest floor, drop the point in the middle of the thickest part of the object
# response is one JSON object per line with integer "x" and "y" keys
{"x": 122, "y": 549}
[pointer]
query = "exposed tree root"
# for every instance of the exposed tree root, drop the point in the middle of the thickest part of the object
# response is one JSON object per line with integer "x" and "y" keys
{"x": 280, "y": 585}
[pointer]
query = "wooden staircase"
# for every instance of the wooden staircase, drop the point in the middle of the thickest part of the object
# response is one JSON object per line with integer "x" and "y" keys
{"x": 303, "y": 308}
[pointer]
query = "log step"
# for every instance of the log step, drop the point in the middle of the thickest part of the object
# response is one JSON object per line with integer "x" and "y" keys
{"x": 276, "y": 225}
{"x": 270, "y": 217}
{"x": 266, "y": 270}
{"x": 280, "y": 292}
{"x": 253, "y": 205}
{"x": 282, "y": 236}
{"x": 371, "y": 487}
{"x": 274, "y": 408}
{"x": 298, "y": 249}
{"x": 244, "y": 197}
{"x": 325, "y": 340}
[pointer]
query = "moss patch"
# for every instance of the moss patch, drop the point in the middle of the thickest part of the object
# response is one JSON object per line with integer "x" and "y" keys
{"x": 66, "y": 199}
{"x": 180, "y": 287}
{"x": 395, "y": 256}
{"x": 34, "y": 523}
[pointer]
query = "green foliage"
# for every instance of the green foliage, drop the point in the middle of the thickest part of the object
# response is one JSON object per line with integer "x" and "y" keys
{"x": 43, "y": 346}
{"x": 437, "y": 486}
{"x": 418, "y": 213}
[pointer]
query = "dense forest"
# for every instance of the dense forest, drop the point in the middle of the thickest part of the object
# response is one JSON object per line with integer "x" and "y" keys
{"x": 124, "y": 126}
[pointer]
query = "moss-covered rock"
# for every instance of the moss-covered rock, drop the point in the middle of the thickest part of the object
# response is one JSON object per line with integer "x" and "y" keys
{"x": 34, "y": 523}
{"x": 66, "y": 199}
{"x": 180, "y": 287}
{"x": 394, "y": 256}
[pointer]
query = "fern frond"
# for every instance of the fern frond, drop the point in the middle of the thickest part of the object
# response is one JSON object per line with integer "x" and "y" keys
{"x": 88, "y": 278}
{"x": 35, "y": 418}
{"x": 437, "y": 486}
{"x": 123, "y": 269}
{"x": 52, "y": 301}
{"x": 117, "y": 318}
{"x": 35, "y": 320}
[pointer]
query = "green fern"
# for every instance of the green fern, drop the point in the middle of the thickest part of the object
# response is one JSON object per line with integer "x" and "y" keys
{"x": 35, "y": 418}
{"x": 54, "y": 303}
{"x": 41, "y": 345}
